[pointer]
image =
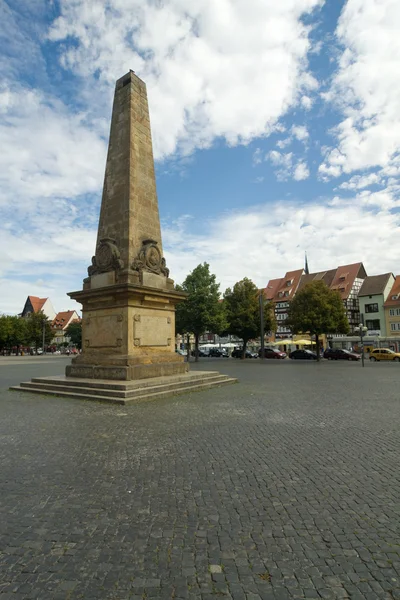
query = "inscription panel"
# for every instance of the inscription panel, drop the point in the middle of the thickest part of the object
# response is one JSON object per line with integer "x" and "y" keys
{"x": 152, "y": 331}
{"x": 103, "y": 331}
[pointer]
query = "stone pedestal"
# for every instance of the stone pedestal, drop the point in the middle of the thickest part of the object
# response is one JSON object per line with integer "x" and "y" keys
{"x": 128, "y": 332}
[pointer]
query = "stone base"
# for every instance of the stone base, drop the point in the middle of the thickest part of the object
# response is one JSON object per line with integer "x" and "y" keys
{"x": 125, "y": 392}
{"x": 126, "y": 373}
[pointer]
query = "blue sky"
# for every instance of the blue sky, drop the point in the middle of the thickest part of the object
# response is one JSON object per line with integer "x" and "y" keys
{"x": 276, "y": 130}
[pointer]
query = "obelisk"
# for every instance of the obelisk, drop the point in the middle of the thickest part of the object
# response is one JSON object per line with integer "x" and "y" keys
{"x": 128, "y": 300}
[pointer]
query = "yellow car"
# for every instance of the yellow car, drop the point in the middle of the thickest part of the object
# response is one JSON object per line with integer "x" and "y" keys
{"x": 384, "y": 354}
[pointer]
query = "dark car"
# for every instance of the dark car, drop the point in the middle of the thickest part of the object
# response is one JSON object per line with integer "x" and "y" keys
{"x": 272, "y": 353}
{"x": 303, "y": 354}
{"x": 201, "y": 353}
{"x": 340, "y": 354}
{"x": 238, "y": 353}
{"x": 216, "y": 352}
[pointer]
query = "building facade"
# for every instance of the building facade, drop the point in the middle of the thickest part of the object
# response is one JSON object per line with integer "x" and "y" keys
{"x": 346, "y": 279}
{"x": 60, "y": 324}
{"x": 372, "y": 297}
{"x": 392, "y": 315}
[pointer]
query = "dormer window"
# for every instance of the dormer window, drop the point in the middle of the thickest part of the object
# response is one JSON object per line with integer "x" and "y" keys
{"x": 289, "y": 282}
{"x": 395, "y": 297}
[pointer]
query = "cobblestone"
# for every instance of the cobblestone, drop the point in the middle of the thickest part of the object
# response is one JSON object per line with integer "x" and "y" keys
{"x": 283, "y": 486}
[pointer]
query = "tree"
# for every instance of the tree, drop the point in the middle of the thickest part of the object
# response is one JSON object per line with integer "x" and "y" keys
{"x": 316, "y": 309}
{"x": 4, "y": 332}
{"x": 74, "y": 332}
{"x": 35, "y": 324}
{"x": 243, "y": 311}
{"x": 201, "y": 311}
{"x": 18, "y": 332}
{"x": 13, "y": 332}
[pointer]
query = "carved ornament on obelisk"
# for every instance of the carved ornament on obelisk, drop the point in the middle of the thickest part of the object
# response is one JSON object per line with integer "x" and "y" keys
{"x": 128, "y": 300}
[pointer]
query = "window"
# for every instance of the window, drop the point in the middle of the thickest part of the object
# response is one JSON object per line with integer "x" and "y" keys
{"x": 394, "y": 312}
{"x": 289, "y": 282}
{"x": 373, "y": 325}
{"x": 395, "y": 297}
{"x": 393, "y": 326}
{"x": 371, "y": 308}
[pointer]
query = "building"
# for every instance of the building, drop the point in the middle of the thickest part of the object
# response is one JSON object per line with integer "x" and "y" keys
{"x": 34, "y": 304}
{"x": 372, "y": 297}
{"x": 280, "y": 292}
{"x": 392, "y": 315}
{"x": 346, "y": 279}
{"x": 60, "y": 324}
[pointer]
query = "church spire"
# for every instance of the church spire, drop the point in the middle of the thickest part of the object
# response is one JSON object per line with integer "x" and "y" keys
{"x": 306, "y": 269}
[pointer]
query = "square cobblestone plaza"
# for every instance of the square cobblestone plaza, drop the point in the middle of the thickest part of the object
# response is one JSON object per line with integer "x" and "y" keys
{"x": 283, "y": 486}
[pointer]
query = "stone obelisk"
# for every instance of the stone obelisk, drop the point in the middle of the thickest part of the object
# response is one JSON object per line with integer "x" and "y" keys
{"x": 128, "y": 300}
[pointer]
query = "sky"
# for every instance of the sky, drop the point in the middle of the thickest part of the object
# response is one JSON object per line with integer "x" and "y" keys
{"x": 276, "y": 130}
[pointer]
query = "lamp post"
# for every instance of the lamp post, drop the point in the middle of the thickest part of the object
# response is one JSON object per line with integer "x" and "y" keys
{"x": 261, "y": 298}
{"x": 362, "y": 330}
{"x": 44, "y": 333}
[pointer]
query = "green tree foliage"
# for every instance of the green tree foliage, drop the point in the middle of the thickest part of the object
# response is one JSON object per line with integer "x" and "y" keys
{"x": 202, "y": 311}
{"x": 242, "y": 305}
{"x": 316, "y": 309}
{"x": 4, "y": 332}
{"x": 13, "y": 332}
{"x": 35, "y": 323}
{"x": 74, "y": 331}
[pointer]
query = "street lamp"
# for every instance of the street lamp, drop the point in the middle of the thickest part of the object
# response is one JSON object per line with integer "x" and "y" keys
{"x": 361, "y": 329}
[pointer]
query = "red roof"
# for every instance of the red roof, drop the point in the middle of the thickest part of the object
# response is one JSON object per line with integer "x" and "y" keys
{"x": 344, "y": 278}
{"x": 37, "y": 303}
{"x": 63, "y": 319}
{"x": 272, "y": 286}
{"x": 288, "y": 286}
{"x": 395, "y": 291}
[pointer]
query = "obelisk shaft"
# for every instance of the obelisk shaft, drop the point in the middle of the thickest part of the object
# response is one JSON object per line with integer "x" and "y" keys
{"x": 129, "y": 208}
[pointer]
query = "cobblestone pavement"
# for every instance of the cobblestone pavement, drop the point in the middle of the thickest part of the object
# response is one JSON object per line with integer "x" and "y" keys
{"x": 283, "y": 486}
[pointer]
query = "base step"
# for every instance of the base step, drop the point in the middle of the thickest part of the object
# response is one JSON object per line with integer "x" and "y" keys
{"x": 126, "y": 393}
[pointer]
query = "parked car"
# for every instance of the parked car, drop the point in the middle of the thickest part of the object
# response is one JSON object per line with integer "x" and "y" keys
{"x": 384, "y": 354}
{"x": 340, "y": 354}
{"x": 203, "y": 352}
{"x": 303, "y": 354}
{"x": 216, "y": 352}
{"x": 238, "y": 353}
{"x": 272, "y": 353}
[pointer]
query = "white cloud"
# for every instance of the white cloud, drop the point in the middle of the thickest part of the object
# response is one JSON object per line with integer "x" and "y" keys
{"x": 366, "y": 86}
{"x": 257, "y": 156}
{"x": 45, "y": 151}
{"x": 301, "y": 171}
{"x": 283, "y": 230}
{"x": 300, "y": 132}
{"x": 285, "y": 168}
{"x": 283, "y": 143}
{"x": 358, "y": 182}
{"x": 210, "y": 67}
{"x": 283, "y": 162}
{"x": 306, "y": 102}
